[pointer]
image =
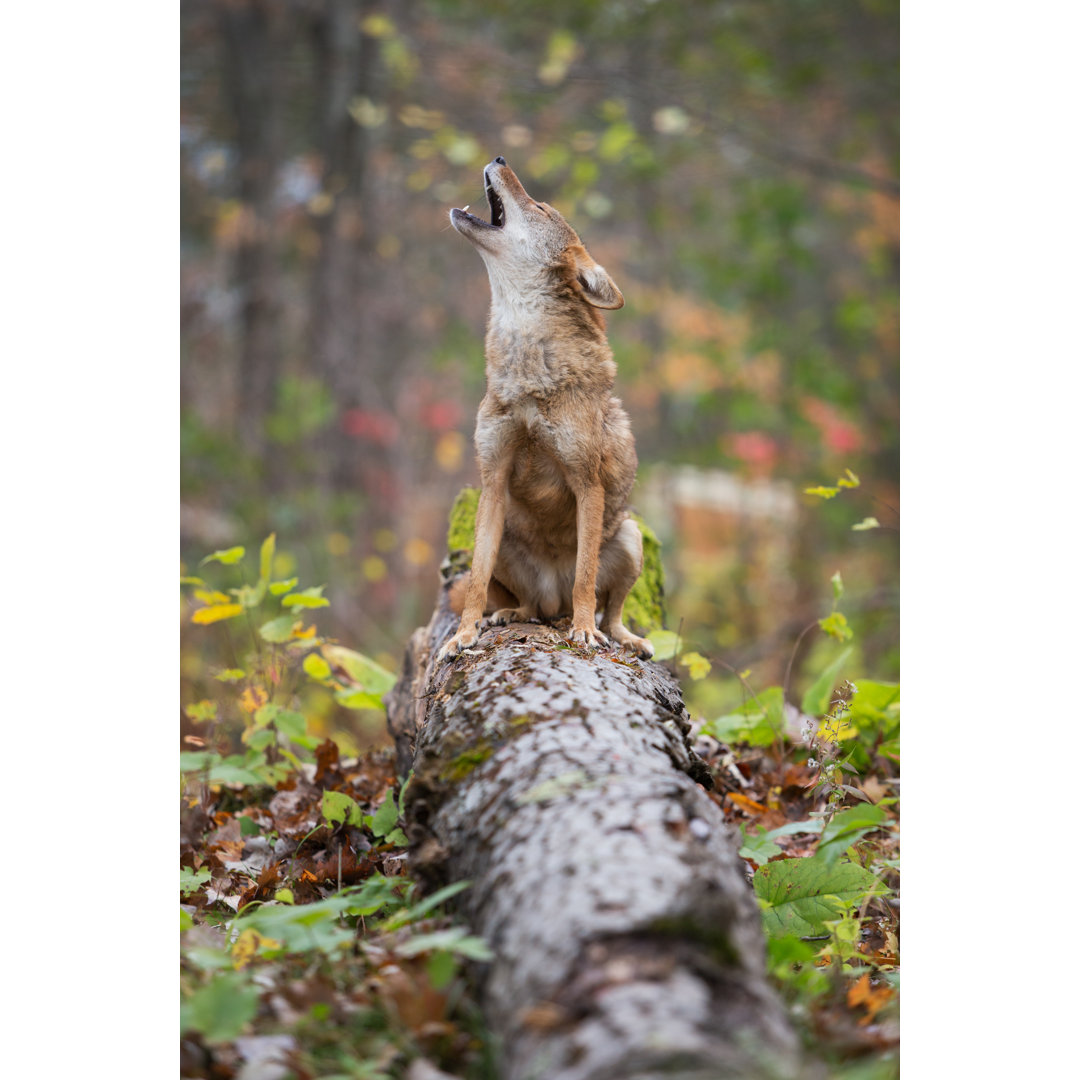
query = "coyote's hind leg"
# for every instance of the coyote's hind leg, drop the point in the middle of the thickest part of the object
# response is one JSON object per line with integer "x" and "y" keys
{"x": 510, "y": 614}
{"x": 620, "y": 565}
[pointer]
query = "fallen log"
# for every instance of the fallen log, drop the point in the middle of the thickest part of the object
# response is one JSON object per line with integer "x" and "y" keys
{"x": 562, "y": 784}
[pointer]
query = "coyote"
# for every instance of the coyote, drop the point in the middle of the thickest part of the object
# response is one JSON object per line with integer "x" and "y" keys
{"x": 556, "y": 456}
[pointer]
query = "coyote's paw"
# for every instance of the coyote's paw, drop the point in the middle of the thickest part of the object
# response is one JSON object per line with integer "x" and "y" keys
{"x": 509, "y": 614}
{"x": 587, "y": 636}
{"x": 639, "y": 645}
{"x": 464, "y": 639}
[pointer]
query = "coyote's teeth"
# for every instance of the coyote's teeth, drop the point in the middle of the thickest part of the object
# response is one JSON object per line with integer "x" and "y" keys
{"x": 464, "y": 209}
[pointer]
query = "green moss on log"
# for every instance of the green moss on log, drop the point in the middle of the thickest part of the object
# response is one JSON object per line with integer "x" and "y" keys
{"x": 644, "y": 605}
{"x": 465, "y": 762}
{"x": 688, "y": 928}
{"x": 462, "y": 534}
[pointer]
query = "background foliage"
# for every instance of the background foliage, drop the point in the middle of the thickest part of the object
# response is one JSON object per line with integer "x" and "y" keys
{"x": 733, "y": 164}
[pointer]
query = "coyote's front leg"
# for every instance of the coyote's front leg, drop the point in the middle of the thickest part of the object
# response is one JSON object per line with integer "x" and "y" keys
{"x": 490, "y": 514}
{"x": 590, "y": 524}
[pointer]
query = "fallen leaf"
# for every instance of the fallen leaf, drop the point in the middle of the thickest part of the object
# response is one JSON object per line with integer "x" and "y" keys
{"x": 327, "y": 756}
{"x": 264, "y": 888}
{"x": 247, "y": 946}
{"x": 861, "y": 993}
{"x": 546, "y": 1016}
{"x": 874, "y": 789}
{"x": 746, "y": 804}
{"x": 266, "y": 1057}
{"x": 411, "y": 998}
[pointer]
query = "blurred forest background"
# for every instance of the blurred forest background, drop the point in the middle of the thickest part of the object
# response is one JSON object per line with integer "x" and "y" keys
{"x": 733, "y": 164}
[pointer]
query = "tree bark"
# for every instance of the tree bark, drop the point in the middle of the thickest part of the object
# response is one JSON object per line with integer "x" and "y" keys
{"x": 563, "y": 786}
{"x": 341, "y": 324}
{"x": 254, "y": 40}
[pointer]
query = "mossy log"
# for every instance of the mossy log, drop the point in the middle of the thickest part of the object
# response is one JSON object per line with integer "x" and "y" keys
{"x": 561, "y": 783}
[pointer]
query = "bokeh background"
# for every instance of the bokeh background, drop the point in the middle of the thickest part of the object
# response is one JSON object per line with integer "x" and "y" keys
{"x": 733, "y": 164}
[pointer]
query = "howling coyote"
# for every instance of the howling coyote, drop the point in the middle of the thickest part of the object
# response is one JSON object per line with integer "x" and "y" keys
{"x": 556, "y": 456}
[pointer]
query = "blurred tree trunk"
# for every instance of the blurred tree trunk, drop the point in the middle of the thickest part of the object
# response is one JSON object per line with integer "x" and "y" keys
{"x": 650, "y": 265}
{"x": 340, "y": 322}
{"x": 562, "y": 785}
{"x": 254, "y": 38}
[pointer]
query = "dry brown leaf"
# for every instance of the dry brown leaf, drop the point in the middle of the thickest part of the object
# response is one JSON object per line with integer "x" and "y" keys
{"x": 264, "y": 888}
{"x": 874, "y": 789}
{"x": 545, "y": 1016}
{"x": 412, "y": 999}
{"x": 327, "y": 756}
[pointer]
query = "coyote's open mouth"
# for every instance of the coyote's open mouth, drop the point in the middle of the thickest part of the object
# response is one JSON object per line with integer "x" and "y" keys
{"x": 498, "y": 211}
{"x": 498, "y": 214}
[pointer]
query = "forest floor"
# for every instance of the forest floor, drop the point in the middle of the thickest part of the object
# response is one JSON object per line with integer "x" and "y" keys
{"x": 306, "y": 952}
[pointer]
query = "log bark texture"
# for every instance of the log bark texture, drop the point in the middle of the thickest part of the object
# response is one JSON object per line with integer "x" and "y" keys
{"x": 563, "y": 786}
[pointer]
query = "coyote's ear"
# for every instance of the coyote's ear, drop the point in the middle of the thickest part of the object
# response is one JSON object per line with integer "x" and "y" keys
{"x": 596, "y": 287}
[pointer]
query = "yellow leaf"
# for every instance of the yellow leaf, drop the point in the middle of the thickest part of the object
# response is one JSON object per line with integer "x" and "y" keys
{"x": 231, "y": 675}
{"x": 202, "y": 711}
{"x": 316, "y": 667}
{"x": 699, "y": 666}
{"x": 212, "y": 596}
{"x": 247, "y": 946}
{"x": 836, "y": 732}
{"x": 836, "y": 626}
{"x": 266, "y": 558}
{"x": 227, "y": 557}
{"x": 216, "y": 613}
{"x": 254, "y": 698}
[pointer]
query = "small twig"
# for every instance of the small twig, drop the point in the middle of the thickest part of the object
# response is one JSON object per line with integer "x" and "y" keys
{"x": 791, "y": 658}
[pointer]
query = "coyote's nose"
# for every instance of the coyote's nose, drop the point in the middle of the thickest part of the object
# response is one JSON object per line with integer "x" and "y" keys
{"x": 500, "y": 161}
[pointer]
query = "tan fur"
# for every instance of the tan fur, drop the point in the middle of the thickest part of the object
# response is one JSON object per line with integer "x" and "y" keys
{"x": 556, "y": 456}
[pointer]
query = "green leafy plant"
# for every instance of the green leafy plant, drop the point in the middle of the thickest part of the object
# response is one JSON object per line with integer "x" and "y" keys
{"x": 848, "y": 480}
{"x": 192, "y": 880}
{"x": 257, "y": 699}
{"x": 338, "y": 808}
{"x": 331, "y": 908}
{"x": 798, "y": 895}
{"x": 825, "y": 877}
{"x": 220, "y": 1009}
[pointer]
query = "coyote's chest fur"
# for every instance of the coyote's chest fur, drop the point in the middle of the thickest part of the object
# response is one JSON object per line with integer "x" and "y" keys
{"x": 554, "y": 448}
